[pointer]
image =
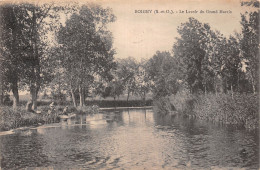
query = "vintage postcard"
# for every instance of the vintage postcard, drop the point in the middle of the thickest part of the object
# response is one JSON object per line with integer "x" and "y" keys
{"x": 113, "y": 84}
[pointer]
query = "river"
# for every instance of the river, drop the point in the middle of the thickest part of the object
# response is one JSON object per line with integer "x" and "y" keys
{"x": 130, "y": 139}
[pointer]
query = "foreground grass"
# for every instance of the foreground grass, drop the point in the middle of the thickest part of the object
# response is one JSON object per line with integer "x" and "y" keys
{"x": 241, "y": 110}
{"x": 10, "y": 119}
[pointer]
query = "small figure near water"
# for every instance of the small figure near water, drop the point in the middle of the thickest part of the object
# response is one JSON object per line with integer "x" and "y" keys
{"x": 65, "y": 111}
{"x": 29, "y": 106}
{"x": 52, "y": 108}
{"x": 66, "y": 115}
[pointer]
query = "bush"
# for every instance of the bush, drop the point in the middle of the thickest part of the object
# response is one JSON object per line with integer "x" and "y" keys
{"x": 6, "y": 99}
{"x": 88, "y": 109}
{"x": 241, "y": 110}
{"x": 163, "y": 106}
{"x": 10, "y": 119}
{"x": 183, "y": 101}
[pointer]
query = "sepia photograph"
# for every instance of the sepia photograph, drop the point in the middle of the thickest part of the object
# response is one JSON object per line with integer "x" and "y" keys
{"x": 141, "y": 84}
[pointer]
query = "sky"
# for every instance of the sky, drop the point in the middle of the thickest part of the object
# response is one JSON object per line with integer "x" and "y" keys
{"x": 140, "y": 35}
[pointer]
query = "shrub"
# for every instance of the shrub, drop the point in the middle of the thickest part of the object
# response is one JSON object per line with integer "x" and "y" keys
{"x": 240, "y": 110}
{"x": 88, "y": 109}
{"x": 183, "y": 101}
{"x": 162, "y": 106}
{"x": 10, "y": 119}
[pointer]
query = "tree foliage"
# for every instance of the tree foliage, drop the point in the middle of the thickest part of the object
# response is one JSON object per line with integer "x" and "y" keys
{"x": 13, "y": 49}
{"x": 250, "y": 43}
{"x": 210, "y": 62}
{"x": 162, "y": 72}
{"x": 126, "y": 72}
{"x": 86, "y": 47}
{"x": 191, "y": 52}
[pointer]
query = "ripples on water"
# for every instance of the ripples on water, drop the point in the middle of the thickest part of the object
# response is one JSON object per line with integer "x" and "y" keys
{"x": 133, "y": 139}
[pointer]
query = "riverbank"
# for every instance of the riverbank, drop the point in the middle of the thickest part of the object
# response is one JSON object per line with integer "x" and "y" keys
{"x": 10, "y": 119}
{"x": 241, "y": 110}
{"x": 104, "y": 103}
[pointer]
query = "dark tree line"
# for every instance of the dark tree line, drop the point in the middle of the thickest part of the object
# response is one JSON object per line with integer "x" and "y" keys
{"x": 210, "y": 62}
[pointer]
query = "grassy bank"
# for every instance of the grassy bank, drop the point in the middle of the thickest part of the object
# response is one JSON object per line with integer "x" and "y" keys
{"x": 99, "y": 103}
{"x": 10, "y": 119}
{"x": 241, "y": 110}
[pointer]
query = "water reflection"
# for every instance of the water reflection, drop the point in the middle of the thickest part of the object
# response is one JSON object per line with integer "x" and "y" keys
{"x": 22, "y": 150}
{"x": 130, "y": 139}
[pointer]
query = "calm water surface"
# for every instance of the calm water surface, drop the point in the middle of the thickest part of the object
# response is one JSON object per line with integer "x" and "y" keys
{"x": 130, "y": 139}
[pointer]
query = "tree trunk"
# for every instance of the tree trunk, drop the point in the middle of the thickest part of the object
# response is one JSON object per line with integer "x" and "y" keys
{"x": 128, "y": 93}
{"x": 2, "y": 93}
{"x": 226, "y": 86}
{"x": 216, "y": 89}
{"x": 34, "y": 93}
{"x": 73, "y": 98}
{"x": 81, "y": 97}
{"x": 253, "y": 82}
{"x": 238, "y": 80}
{"x": 232, "y": 91}
{"x": 1, "y": 98}
{"x": 253, "y": 85}
{"x": 15, "y": 96}
{"x": 143, "y": 98}
{"x": 215, "y": 86}
{"x": 84, "y": 96}
{"x": 221, "y": 85}
{"x": 115, "y": 101}
{"x": 35, "y": 79}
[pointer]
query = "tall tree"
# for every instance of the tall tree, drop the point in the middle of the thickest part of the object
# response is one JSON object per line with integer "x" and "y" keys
{"x": 142, "y": 81}
{"x": 35, "y": 16}
{"x": 250, "y": 42}
{"x": 189, "y": 50}
{"x": 200, "y": 54}
{"x": 25, "y": 26}
{"x": 126, "y": 72}
{"x": 232, "y": 65}
{"x": 14, "y": 47}
{"x": 41, "y": 20}
{"x": 88, "y": 46}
